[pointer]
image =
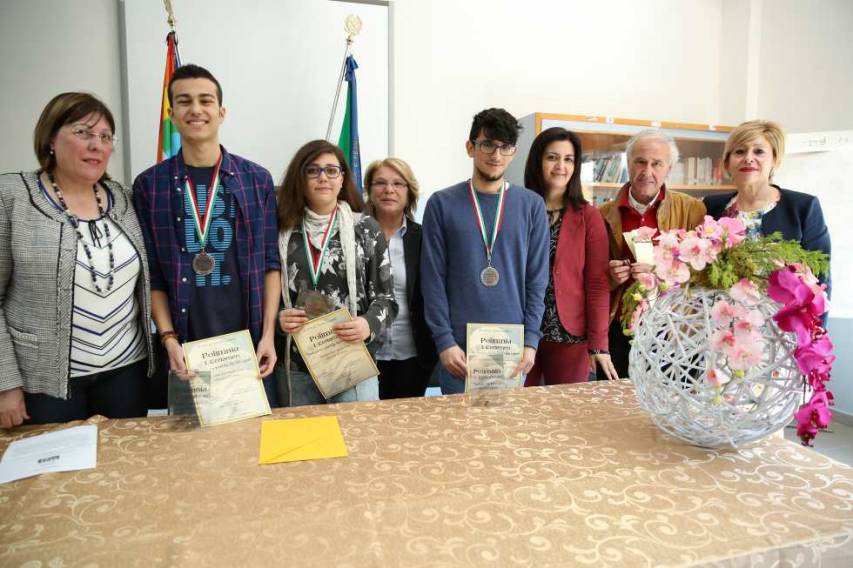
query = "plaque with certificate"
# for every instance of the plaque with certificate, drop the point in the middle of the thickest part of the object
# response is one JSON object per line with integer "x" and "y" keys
{"x": 640, "y": 243}
{"x": 186, "y": 390}
{"x": 334, "y": 364}
{"x": 494, "y": 352}
{"x": 233, "y": 389}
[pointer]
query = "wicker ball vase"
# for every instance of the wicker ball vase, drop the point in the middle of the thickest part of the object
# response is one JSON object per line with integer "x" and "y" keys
{"x": 669, "y": 362}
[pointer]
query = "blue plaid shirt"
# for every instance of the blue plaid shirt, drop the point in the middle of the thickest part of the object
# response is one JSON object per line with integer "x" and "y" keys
{"x": 158, "y": 195}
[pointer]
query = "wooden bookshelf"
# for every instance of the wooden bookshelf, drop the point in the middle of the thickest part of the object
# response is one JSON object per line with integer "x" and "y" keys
{"x": 605, "y": 138}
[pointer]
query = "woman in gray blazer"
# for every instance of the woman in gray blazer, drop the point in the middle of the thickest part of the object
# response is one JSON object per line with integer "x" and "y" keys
{"x": 74, "y": 295}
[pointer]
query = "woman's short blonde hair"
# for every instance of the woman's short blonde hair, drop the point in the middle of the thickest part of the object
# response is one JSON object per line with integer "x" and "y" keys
{"x": 749, "y": 131}
{"x": 405, "y": 172}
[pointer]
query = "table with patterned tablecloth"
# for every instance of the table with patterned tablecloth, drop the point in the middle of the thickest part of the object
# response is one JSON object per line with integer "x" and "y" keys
{"x": 571, "y": 475}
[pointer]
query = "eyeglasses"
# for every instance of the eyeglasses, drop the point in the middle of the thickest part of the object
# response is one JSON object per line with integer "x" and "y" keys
{"x": 314, "y": 171}
{"x": 489, "y": 147}
{"x": 85, "y": 134}
{"x": 394, "y": 184}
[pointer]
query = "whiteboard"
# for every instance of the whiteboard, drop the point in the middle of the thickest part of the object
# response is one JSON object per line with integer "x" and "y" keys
{"x": 278, "y": 62}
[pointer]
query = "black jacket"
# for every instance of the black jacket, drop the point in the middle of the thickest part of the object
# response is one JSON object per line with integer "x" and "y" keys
{"x": 427, "y": 356}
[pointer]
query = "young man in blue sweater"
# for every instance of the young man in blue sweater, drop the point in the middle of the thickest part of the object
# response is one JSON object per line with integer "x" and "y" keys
{"x": 485, "y": 251}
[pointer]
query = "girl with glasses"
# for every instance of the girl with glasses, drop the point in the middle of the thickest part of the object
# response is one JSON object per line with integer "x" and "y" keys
{"x": 331, "y": 252}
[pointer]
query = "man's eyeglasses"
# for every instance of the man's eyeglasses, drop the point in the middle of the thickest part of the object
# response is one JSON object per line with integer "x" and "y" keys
{"x": 395, "y": 184}
{"x": 489, "y": 147}
{"x": 314, "y": 171}
{"x": 83, "y": 133}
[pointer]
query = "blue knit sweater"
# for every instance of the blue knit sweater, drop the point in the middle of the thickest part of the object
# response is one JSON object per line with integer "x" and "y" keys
{"x": 453, "y": 256}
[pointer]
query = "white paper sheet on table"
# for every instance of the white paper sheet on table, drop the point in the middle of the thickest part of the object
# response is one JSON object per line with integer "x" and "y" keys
{"x": 67, "y": 450}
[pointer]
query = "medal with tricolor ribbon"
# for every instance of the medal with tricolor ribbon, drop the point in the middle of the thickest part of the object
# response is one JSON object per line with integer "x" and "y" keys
{"x": 315, "y": 260}
{"x": 203, "y": 263}
{"x": 489, "y": 276}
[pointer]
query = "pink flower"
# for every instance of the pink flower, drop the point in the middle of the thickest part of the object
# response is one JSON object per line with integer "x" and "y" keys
{"x": 647, "y": 280}
{"x": 722, "y": 340}
{"x": 710, "y": 229}
{"x": 815, "y": 357}
{"x": 786, "y": 287}
{"x": 745, "y": 353}
{"x": 673, "y": 273}
{"x": 734, "y": 231}
{"x": 748, "y": 323}
{"x": 813, "y": 416}
{"x": 802, "y": 307}
{"x": 722, "y": 313}
{"x": 696, "y": 251}
{"x": 745, "y": 292}
{"x": 645, "y": 234}
{"x": 669, "y": 239}
{"x": 796, "y": 319}
{"x": 716, "y": 377}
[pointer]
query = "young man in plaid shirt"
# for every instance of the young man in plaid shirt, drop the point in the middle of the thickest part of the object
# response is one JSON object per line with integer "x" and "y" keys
{"x": 209, "y": 222}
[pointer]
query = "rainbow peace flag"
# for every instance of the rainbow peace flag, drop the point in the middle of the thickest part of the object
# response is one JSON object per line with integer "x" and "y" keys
{"x": 168, "y": 139}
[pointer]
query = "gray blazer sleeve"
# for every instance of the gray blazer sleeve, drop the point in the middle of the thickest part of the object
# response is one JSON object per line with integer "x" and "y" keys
{"x": 10, "y": 374}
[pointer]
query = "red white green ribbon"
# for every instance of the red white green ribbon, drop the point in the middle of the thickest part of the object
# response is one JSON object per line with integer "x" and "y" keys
{"x": 202, "y": 222}
{"x": 499, "y": 215}
{"x": 315, "y": 260}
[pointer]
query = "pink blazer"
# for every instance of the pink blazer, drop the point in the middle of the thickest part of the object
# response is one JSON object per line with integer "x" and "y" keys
{"x": 580, "y": 275}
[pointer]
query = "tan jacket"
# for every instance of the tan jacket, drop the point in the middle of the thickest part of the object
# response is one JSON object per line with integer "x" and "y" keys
{"x": 676, "y": 211}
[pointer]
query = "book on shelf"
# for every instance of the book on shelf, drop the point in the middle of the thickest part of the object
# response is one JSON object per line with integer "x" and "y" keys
{"x": 696, "y": 171}
{"x": 612, "y": 168}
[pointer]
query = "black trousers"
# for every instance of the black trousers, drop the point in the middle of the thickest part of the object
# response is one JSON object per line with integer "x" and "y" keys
{"x": 119, "y": 393}
{"x": 401, "y": 379}
{"x": 620, "y": 348}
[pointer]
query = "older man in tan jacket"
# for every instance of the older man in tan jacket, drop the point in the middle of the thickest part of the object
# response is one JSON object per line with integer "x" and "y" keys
{"x": 644, "y": 201}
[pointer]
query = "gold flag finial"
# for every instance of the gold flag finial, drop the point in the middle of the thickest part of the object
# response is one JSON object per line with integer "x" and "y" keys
{"x": 352, "y": 25}
{"x": 170, "y": 13}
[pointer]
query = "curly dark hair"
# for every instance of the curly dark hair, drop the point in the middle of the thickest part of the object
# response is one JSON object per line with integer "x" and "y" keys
{"x": 495, "y": 124}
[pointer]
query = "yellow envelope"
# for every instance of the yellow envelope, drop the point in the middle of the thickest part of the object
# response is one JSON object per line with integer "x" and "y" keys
{"x": 301, "y": 439}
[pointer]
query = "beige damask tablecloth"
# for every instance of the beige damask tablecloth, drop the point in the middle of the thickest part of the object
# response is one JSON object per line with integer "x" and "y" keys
{"x": 558, "y": 476}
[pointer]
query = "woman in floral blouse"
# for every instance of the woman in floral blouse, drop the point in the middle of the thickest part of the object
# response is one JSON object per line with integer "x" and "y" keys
{"x": 753, "y": 153}
{"x": 330, "y": 253}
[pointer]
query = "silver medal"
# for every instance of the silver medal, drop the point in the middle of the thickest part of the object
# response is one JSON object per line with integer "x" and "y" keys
{"x": 490, "y": 277}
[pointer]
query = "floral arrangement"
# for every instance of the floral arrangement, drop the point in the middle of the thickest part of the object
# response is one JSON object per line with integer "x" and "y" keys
{"x": 717, "y": 255}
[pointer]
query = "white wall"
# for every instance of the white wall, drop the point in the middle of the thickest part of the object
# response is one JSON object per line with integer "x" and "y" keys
{"x": 278, "y": 63}
{"x": 655, "y": 59}
{"x": 48, "y": 47}
{"x": 806, "y": 70}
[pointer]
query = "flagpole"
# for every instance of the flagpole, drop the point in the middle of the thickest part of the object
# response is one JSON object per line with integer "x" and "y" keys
{"x": 352, "y": 25}
{"x": 338, "y": 91}
{"x": 170, "y": 19}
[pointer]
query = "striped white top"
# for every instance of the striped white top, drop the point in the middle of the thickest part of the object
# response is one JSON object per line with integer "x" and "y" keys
{"x": 106, "y": 331}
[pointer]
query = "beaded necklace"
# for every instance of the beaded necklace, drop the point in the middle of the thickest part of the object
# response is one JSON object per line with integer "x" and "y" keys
{"x": 75, "y": 222}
